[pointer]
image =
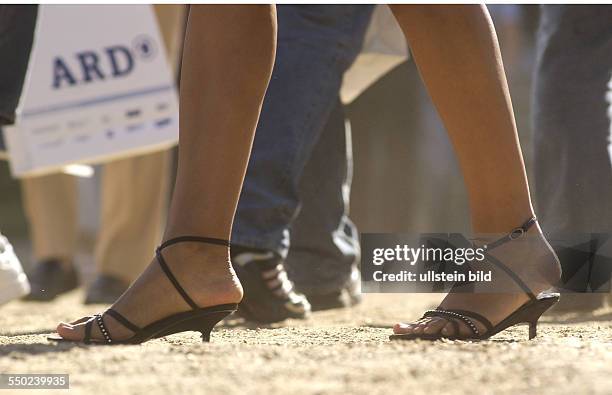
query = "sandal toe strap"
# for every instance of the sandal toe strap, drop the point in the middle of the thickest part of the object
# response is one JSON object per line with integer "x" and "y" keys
{"x": 478, "y": 317}
{"x": 88, "y": 325}
{"x": 453, "y": 317}
{"x": 103, "y": 329}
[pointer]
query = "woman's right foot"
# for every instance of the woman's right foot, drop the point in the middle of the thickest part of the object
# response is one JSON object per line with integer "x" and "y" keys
{"x": 530, "y": 258}
{"x": 205, "y": 273}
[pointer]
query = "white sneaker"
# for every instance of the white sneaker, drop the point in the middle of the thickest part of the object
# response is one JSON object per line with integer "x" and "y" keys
{"x": 13, "y": 281}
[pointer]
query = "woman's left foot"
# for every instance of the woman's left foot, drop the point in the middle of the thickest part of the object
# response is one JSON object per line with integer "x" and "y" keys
{"x": 203, "y": 271}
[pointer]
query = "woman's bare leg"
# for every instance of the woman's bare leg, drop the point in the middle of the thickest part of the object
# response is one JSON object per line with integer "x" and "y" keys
{"x": 227, "y": 62}
{"x": 456, "y": 50}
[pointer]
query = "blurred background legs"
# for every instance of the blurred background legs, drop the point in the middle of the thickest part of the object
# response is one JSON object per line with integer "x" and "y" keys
{"x": 324, "y": 255}
{"x": 572, "y": 131}
{"x": 133, "y": 200}
{"x": 134, "y": 194}
{"x": 17, "y": 24}
{"x": 51, "y": 207}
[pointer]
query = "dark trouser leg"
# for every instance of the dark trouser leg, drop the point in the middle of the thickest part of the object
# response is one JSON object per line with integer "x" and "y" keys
{"x": 316, "y": 45}
{"x": 324, "y": 241}
{"x": 572, "y": 129}
{"x": 17, "y": 24}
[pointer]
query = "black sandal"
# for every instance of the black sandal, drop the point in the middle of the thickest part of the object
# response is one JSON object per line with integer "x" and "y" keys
{"x": 529, "y": 313}
{"x": 198, "y": 319}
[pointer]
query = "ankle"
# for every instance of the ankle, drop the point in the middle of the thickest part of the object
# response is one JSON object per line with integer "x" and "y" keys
{"x": 550, "y": 268}
{"x": 532, "y": 258}
{"x": 208, "y": 263}
{"x": 494, "y": 220}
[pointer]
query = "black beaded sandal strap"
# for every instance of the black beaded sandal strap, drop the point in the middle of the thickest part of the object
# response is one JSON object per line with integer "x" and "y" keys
{"x": 103, "y": 329}
{"x": 515, "y": 234}
{"x": 168, "y": 272}
{"x": 446, "y": 314}
{"x": 122, "y": 320}
{"x": 482, "y": 319}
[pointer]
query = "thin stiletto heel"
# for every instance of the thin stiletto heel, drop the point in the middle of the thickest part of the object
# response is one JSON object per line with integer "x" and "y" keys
{"x": 533, "y": 329}
{"x": 198, "y": 319}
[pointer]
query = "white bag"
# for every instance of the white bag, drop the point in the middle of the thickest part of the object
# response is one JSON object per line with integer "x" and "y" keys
{"x": 98, "y": 88}
{"x": 384, "y": 47}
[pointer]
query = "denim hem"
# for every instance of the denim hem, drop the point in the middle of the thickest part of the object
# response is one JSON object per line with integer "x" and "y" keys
{"x": 322, "y": 288}
{"x": 261, "y": 244}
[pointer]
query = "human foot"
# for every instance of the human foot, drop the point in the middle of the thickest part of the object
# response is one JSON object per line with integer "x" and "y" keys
{"x": 202, "y": 271}
{"x": 532, "y": 267}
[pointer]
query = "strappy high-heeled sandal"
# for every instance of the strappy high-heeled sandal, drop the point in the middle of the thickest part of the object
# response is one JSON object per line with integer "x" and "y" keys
{"x": 529, "y": 313}
{"x": 198, "y": 319}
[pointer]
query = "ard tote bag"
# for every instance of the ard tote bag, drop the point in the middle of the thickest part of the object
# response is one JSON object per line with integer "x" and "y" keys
{"x": 98, "y": 89}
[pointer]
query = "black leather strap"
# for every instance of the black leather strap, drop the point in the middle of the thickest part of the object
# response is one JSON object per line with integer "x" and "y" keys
{"x": 88, "y": 325}
{"x": 198, "y": 239}
{"x": 512, "y": 275}
{"x": 174, "y": 281}
{"x": 122, "y": 320}
{"x": 168, "y": 272}
{"x": 487, "y": 324}
{"x": 515, "y": 234}
{"x": 449, "y": 314}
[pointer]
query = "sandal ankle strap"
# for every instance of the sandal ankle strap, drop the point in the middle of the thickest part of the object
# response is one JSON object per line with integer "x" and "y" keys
{"x": 516, "y": 233}
{"x": 164, "y": 266}
{"x": 198, "y": 239}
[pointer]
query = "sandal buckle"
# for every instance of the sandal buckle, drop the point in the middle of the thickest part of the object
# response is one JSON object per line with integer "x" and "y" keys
{"x": 517, "y": 233}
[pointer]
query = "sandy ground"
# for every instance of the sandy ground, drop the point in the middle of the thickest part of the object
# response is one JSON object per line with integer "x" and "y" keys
{"x": 333, "y": 352}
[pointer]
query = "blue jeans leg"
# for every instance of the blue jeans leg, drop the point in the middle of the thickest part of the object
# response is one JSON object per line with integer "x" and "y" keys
{"x": 324, "y": 241}
{"x": 316, "y": 44}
